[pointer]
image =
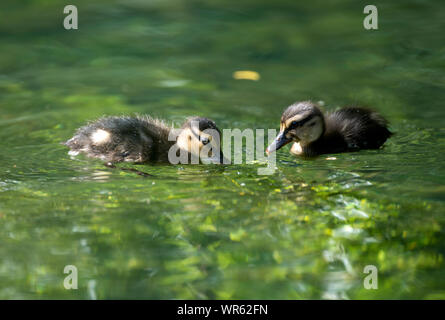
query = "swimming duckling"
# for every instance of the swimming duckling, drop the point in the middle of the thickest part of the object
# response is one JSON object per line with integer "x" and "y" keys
{"x": 347, "y": 129}
{"x": 144, "y": 139}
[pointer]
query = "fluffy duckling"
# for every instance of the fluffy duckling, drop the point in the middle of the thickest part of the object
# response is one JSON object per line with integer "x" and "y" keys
{"x": 313, "y": 133}
{"x": 144, "y": 140}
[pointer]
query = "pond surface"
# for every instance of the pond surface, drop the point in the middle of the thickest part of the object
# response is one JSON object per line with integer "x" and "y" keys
{"x": 224, "y": 232}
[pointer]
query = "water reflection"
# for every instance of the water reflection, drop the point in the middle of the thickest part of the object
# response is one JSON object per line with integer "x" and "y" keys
{"x": 340, "y": 275}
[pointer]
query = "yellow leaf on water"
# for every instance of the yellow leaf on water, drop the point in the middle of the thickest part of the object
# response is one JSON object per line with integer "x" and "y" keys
{"x": 246, "y": 75}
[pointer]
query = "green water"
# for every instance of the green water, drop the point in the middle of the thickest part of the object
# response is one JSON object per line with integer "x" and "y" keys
{"x": 202, "y": 232}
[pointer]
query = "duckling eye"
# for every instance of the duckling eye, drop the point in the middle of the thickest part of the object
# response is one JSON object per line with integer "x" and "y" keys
{"x": 294, "y": 123}
{"x": 204, "y": 140}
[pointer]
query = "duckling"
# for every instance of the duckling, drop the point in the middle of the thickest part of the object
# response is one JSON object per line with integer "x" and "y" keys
{"x": 144, "y": 139}
{"x": 344, "y": 130}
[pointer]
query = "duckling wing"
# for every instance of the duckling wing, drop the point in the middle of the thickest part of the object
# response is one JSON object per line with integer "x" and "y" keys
{"x": 360, "y": 128}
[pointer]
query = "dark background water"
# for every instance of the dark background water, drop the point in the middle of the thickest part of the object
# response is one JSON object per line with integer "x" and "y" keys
{"x": 201, "y": 232}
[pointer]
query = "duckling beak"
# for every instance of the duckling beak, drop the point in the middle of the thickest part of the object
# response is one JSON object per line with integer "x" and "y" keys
{"x": 279, "y": 142}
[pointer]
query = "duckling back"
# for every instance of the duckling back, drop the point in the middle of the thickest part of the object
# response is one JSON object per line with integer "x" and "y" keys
{"x": 118, "y": 139}
{"x": 358, "y": 128}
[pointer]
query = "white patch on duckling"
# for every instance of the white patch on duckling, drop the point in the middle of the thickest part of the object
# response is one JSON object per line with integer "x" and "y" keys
{"x": 296, "y": 149}
{"x": 100, "y": 136}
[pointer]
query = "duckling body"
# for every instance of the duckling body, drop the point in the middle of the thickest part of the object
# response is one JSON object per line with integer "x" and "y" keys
{"x": 345, "y": 130}
{"x": 138, "y": 139}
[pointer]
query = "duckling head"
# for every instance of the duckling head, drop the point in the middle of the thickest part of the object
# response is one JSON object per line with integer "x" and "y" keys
{"x": 200, "y": 137}
{"x": 301, "y": 122}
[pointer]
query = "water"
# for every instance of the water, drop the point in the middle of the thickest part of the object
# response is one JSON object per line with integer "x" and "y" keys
{"x": 202, "y": 232}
